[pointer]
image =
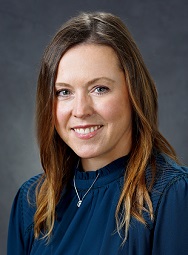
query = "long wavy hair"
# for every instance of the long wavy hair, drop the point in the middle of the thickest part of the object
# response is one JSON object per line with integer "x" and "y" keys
{"x": 58, "y": 159}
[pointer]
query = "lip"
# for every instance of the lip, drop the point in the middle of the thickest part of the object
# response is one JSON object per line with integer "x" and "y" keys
{"x": 86, "y": 131}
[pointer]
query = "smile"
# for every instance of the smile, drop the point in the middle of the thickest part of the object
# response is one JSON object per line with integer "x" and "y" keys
{"x": 84, "y": 131}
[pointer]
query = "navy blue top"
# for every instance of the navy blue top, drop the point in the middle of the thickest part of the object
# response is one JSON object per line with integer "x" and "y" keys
{"x": 90, "y": 229}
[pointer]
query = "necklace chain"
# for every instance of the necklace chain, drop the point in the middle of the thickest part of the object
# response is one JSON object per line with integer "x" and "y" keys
{"x": 79, "y": 199}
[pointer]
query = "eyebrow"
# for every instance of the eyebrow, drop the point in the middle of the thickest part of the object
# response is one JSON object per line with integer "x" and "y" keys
{"x": 87, "y": 83}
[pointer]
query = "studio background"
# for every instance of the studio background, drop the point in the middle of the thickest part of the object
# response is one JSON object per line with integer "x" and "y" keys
{"x": 160, "y": 29}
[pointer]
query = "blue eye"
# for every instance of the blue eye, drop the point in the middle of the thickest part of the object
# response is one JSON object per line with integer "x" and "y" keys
{"x": 101, "y": 90}
{"x": 63, "y": 93}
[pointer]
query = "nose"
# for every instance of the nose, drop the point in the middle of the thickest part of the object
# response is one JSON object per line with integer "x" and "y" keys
{"x": 83, "y": 106}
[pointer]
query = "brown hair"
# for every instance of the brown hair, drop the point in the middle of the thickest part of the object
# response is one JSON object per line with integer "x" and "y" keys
{"x": 57, "y": 158}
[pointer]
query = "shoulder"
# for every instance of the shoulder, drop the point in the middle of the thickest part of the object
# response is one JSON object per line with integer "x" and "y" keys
{"x": 168, "y": 176}
{"x": 28, "y": 188}
{"x": 169, "y": 196}
{"x": 168, "y": 172}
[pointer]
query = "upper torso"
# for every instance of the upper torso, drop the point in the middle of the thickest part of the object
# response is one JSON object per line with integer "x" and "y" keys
{"x": 91, "y": 228}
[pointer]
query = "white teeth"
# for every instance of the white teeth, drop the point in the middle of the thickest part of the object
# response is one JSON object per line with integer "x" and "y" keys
{"x": 82, "y": 131}
{"x": 86, "y": 130}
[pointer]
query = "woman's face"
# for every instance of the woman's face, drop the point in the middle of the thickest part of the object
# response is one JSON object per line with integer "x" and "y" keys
{"x": 92, "y": 107}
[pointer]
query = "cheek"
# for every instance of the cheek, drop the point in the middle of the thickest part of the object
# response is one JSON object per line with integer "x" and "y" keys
{"x": 60, "y": 114}
{"x": 117, "y": 110}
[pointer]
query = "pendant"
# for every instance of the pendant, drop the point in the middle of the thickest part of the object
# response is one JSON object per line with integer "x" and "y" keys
{"x": 79, "y": 203}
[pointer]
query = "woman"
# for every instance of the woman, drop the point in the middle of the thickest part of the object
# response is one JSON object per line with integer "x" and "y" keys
{"x": 111, "y": 182}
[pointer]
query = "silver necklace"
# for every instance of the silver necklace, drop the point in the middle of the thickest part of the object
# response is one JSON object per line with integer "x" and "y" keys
{"x": 79, "y": 199}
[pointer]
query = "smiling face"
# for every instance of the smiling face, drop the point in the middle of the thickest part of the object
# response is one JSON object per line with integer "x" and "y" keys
{"x": 92, "y": 107}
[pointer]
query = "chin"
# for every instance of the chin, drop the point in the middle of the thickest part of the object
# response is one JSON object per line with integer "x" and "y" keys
{"x": 86, "y": 154}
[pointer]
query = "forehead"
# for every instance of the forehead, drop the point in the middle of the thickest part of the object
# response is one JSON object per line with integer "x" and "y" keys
{"x": 89, "y": 60}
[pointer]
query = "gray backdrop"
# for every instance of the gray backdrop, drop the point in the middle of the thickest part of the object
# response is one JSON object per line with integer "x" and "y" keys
{"x": 160, "y": 29}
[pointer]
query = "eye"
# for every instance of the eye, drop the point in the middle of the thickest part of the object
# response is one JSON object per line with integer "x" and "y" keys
{"x": 101, "y": 90}
{"x": 63, "y": 93}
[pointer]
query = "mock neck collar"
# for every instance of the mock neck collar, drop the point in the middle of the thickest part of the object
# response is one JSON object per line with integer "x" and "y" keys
{"x": 107, "y": 174}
